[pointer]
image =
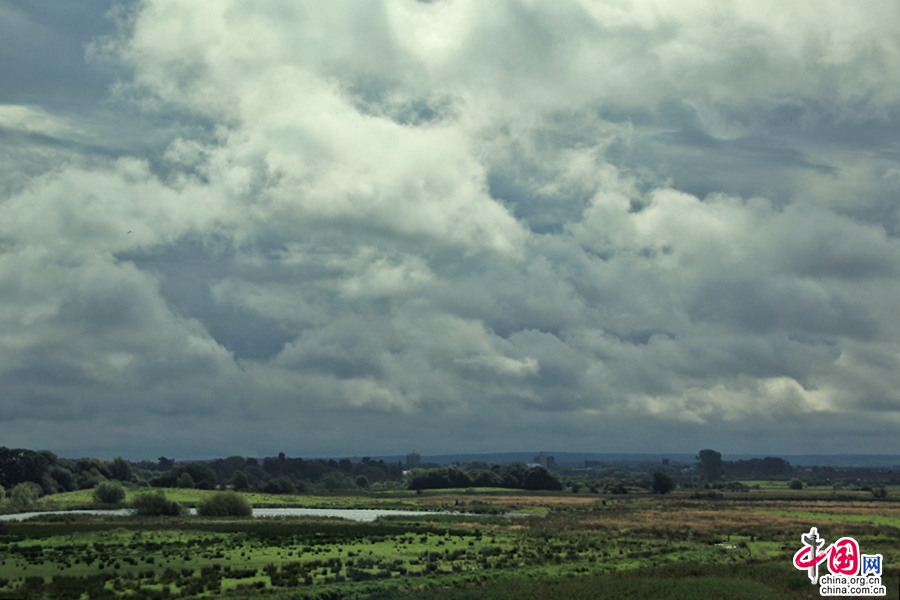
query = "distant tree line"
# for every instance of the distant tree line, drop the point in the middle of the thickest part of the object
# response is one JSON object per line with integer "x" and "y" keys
{"x": 711, "y": 467}
{"x": 25, "y": 475}
{"x": 49, "y": 474}
{"x": 515, "y": 476}
{"x": 53, "y": 474}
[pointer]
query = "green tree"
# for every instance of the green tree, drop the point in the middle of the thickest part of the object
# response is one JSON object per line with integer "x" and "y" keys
{"x": 120, "y": 469}
{"x": 336, "y": 481}
{"x": 225, "y": 504}
{"x": 662, "y": 483}
{"x": 155, "y": 504}
{"x": 362, "y": 481}
{"x": 239, "y": 481}
{"x": 539, "y": 478}
{"x": 796, "y": 484}
{"x": 280, "y": 485}
{"x": 710, "y": 465}
{"x": 185, "y": 481}
{"x": 109, "y": 492}
{"x": 63, "y": 477}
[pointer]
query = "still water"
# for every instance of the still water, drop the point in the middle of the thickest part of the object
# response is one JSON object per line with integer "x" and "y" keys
{"x": 362, "y": 515}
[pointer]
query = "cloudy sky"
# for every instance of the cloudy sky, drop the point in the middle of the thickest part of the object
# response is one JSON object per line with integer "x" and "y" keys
{"x": 344, "y": 228}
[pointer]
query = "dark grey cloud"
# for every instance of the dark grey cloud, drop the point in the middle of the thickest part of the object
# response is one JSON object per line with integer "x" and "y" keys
{"x": 448, "y": 225}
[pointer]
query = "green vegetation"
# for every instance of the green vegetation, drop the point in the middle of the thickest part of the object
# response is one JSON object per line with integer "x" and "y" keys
{"x": 225, "y": 504}
{"x": 662, "y": 483}
{"x": 108, "y": 493}
{"x": 155, "y": 504}
{"x": 585, "y": 546}
{"x": 721, "y": 530}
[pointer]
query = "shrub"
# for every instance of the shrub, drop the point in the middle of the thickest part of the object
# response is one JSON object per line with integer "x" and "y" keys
{"x": 108, "y": 493}
{"x": 225, "y": 504}
{"x": 156, "y": 504}
{"x": 796, "y": 484}
{"x": 25, "y": 494}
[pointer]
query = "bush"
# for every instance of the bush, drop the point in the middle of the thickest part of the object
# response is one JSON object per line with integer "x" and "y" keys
{"x": 796, "y": 484}
{"x": 25, "y": 494}
{"x": 225, "y": 504}
{"x": 156, "y": 504}
{"x": 108, "y": 493}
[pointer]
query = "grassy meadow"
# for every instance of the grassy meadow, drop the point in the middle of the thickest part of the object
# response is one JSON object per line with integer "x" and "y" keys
{"x": 588, "y": 546}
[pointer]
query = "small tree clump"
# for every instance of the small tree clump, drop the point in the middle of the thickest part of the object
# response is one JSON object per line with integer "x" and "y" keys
{"x": 108, "y": 492}
{"x": 796, "y": 484}
{"x": 155, "y": 504}
{"x": 662, "y": 483}
{"x": 225, "y": 504}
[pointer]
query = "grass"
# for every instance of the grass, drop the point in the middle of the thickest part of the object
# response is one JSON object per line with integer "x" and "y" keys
{"x": 191, "y": 497}
{"x": 577, "y": 546}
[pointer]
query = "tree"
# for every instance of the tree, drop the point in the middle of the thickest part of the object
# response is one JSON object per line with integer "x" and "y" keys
{"x": 185, "y": 480}
{"x": 108, "y": 492}
{"x": 280, "y": 485}
{"x": 336, "y": 481}
{"x": 662, "y": 483}
{"x": 239, "y": 481}
{"x": 539, "y": 478}
{"x": 710, "y": 465}
{"x": 225, "y": 504}
{"x": 120, "y": 469}
{"x": 796, "y": 484}
{"x": 63, "y": 477}
{"x": 362, "y": 481}
{"x": 155, "y": 504}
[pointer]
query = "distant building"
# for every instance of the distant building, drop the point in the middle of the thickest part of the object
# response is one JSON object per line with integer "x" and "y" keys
{"x": 548, "y": 462}
{"x": 413, "y": 459}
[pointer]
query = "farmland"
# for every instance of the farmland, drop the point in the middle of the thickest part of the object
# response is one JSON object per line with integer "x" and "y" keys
{"x": 735, "y": 545}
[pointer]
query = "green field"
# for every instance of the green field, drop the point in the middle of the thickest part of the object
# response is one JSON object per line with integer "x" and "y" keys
{"x": 579, "y": 546}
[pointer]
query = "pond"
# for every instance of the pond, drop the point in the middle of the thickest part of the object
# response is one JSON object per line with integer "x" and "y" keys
{"x": 362, "y": 515}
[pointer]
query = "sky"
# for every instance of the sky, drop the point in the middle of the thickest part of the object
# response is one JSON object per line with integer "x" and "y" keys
{"x": 348, "y": 228}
